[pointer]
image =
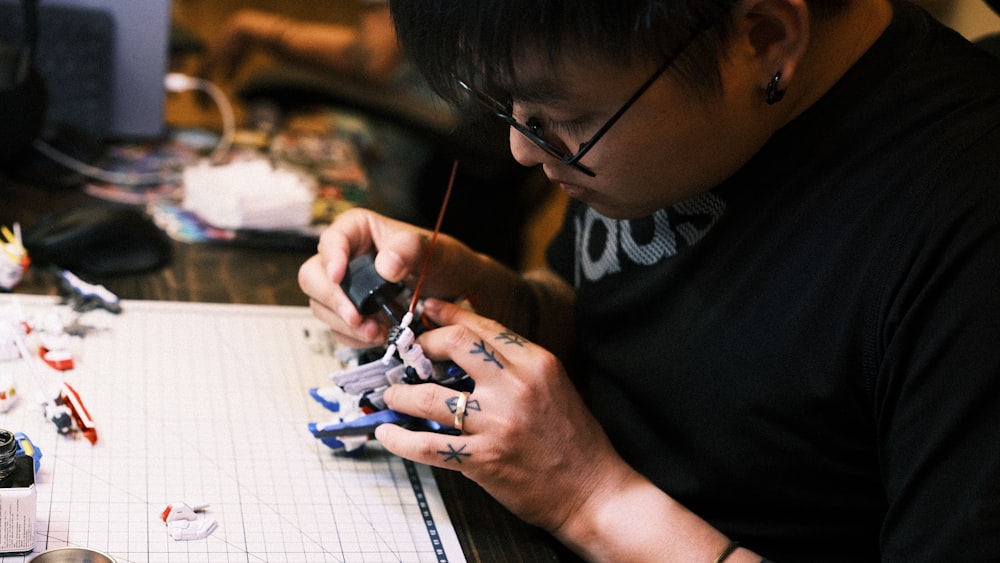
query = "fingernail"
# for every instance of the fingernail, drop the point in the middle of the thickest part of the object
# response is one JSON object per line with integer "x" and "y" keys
{"x": 433, "y": 305}
{"x": 387, "y": 396}
{"x": 392, "y": 264}
{"x": 350, "y": 315}
{"x": 370, "y": 330}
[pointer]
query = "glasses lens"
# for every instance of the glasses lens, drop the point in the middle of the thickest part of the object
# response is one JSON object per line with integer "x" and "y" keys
{"x": 531, "y": 130}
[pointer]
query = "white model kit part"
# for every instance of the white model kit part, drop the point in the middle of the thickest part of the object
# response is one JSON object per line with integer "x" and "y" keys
{"x": 187, "y": 530}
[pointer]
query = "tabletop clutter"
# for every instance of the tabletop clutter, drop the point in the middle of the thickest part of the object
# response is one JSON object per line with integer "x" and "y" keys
{"x": 251, "y": 194}
{"x": 294, "y": 180}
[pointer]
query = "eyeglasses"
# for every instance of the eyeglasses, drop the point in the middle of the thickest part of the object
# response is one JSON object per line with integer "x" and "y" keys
{"x": 532, "y": 129}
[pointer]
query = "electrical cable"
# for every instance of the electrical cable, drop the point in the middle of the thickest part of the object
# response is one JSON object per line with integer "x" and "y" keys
{"x": 173, "y": 82}
{"x": 177, "y": 82}
{"x": 108, "y": 176}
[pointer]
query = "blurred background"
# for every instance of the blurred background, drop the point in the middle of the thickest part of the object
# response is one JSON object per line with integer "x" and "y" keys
{"x": 973, "y": 18}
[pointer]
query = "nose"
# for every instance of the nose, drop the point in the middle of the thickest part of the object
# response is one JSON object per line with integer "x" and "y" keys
{"x": 525, "y": 152}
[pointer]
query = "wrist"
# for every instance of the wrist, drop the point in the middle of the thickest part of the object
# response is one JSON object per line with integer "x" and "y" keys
{"x": 489, "y": 286}
{"x": 635, "y": 521}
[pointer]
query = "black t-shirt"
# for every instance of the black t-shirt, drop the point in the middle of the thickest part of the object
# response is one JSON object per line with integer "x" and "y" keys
{"x": 808, "y": 356}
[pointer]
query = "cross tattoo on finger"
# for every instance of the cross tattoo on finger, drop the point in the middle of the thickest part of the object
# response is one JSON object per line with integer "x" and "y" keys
{"x": 451, "y": 454}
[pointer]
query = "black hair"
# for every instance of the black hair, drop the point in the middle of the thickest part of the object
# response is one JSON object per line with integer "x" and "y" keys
{"x": 481, "y": 41}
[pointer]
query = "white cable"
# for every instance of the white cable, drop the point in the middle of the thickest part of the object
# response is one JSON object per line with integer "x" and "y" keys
{"x": 177, "y": 82}
{"x": 173, "y": 82}
{"x": 108, "y": 176}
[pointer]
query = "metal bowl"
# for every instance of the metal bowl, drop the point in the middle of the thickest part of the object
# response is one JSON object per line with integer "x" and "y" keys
{"x": 72, "y": 555}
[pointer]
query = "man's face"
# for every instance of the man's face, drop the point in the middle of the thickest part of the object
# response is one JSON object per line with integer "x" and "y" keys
{"x": 668, "y": 146}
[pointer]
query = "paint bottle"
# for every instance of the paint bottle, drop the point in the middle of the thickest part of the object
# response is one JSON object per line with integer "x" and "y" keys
{"x": 17, "y": 496}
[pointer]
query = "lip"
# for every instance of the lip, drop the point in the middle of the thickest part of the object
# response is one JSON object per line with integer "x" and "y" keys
{"x": 575, "y": 191}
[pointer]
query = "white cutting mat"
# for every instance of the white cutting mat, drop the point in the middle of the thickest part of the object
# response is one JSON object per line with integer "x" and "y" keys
{"x": 206, "y": 403}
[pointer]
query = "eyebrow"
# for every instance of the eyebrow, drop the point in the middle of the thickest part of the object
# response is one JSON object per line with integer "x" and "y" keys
{"x": 542, "y": 90}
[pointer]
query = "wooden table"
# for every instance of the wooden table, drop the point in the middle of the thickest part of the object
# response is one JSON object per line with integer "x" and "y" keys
{"x": 224, "y": 274}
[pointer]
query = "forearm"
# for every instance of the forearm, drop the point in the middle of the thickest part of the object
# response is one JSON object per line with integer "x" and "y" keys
{"x": 638, "y": 522}
{"x": 334, "y": 48}
{"x": 553, "y": 300}
{"x": 367, "y": 52}
{"x": 537, "y": 305}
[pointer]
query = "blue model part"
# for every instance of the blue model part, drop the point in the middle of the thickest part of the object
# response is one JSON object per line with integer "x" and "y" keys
{"x": 333, "y": 444}
{"x": 434, "y": 426}
{"x": 328, "y": 404}
{"x": 63, "y": 422}
{"x": 361, "y": 426}
{"x": 84, "y": 296}
{"x": 336, "y": 445}
{"x": 458, "y": 380}
{"x": 27, "y": 447}
{"x": 454, "y": 371}
{"x": 367, "y": 424}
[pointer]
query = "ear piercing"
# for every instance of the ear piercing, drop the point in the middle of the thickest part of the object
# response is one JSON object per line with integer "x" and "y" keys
{"x": 772, "y": 94}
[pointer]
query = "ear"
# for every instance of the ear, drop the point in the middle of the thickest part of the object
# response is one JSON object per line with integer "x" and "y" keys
{"x": 773, "y": 36}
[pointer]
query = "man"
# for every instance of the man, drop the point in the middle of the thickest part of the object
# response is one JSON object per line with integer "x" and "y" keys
{"x": 773, "y": 298}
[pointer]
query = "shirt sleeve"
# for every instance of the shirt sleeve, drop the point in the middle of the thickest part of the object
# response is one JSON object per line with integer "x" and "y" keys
{"x": 937, "y": 390}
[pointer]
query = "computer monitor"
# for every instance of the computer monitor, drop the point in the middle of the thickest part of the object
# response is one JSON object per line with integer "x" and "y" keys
{"x": 110, "y": 83}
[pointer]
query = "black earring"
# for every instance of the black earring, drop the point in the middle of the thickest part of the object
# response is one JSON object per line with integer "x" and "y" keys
{"x": 772, "y": 94}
